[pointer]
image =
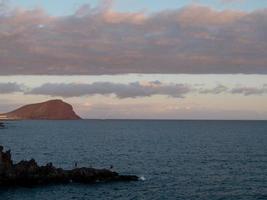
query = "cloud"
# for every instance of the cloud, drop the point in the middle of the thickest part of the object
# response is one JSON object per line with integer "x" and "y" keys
{"x": 6, "y": 88}
{"x": 131, "y": 90}
{"x": 138, "y": 89}
{"x": 93, "y": 41}
{"x": 232, "y": 1}
{"x": 216, "y": 90}
{"x": 247, "y": 91}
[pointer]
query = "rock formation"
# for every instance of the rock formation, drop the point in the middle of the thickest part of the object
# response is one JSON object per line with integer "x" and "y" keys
{"x": 49, "y": 110}
{"x": 2, "y": 125}
{"x": 29, "y": 173}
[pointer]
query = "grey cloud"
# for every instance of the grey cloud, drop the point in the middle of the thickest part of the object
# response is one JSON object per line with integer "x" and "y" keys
{"x": 6, "y": 88}
{"x": 247, "y": 91}
{"x": 138, "y": 89}
{"x": 194, "y": 40}
{"x": 216, "y": 90}
{"x": 131, "y": 90}
{"x": 243, "y": 90}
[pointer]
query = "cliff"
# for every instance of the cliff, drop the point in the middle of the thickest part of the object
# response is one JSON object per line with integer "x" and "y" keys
{"x": 49, "y": 110}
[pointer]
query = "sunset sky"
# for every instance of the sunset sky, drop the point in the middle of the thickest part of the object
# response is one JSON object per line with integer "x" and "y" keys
{"x": 137, "y": 59}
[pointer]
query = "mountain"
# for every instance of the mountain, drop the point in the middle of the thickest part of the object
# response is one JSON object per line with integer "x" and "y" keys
{"x": 49, "y": 110}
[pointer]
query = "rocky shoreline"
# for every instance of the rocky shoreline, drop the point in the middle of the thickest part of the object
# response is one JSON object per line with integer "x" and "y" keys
{"x": 29, "y": 173}
{"x": 2, "y": 125}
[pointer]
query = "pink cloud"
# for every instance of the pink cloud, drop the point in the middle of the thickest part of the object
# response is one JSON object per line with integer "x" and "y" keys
{"x": 194, "y": 40}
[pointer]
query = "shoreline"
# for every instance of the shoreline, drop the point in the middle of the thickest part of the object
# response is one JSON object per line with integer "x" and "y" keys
{"x": 29, "y": 173}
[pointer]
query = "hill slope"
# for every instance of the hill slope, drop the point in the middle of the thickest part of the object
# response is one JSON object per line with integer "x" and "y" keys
{"x": 49, "y": 110}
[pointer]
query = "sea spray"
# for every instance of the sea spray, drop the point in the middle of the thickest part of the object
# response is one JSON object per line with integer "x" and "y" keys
{"x": 142, "y": 178}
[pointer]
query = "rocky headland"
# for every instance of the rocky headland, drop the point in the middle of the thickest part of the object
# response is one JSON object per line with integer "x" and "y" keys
{"x": 49, "y": 110}
{"x": 29, "y": 173}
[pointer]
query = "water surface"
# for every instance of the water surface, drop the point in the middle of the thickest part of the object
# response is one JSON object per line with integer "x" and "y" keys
{"x": 213, "y": 160}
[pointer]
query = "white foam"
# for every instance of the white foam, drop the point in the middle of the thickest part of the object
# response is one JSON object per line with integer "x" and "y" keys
{"x": 142, "y": 178}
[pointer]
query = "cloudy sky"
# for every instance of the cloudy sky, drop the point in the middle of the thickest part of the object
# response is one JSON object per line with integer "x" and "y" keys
{"x": 176, "y": 59}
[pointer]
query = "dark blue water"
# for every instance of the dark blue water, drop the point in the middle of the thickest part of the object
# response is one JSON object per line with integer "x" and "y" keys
{"x": 213, "y": 160}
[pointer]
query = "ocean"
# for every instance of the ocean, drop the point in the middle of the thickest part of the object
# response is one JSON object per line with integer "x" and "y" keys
{"x": 188, "y": 160}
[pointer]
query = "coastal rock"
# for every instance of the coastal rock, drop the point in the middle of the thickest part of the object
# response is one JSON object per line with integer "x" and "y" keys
{"x": 2, "y": 125}
{"x": 49, "y": 110}
{"x": 29, "y": 173}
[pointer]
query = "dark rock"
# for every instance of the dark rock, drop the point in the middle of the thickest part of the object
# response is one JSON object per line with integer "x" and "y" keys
{"x": 29, "y": 173}
{"x": 2, "y": 125}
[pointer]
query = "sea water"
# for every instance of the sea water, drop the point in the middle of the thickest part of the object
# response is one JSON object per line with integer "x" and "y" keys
{"x": 209, "y": 160}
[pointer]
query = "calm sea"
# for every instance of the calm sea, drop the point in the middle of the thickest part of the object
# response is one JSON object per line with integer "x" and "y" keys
{"x": 190, "y": 160}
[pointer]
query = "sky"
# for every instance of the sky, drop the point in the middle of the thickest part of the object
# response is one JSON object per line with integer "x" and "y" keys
{"x": 131, "y": 59}
{"x": 68, "y": 7}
